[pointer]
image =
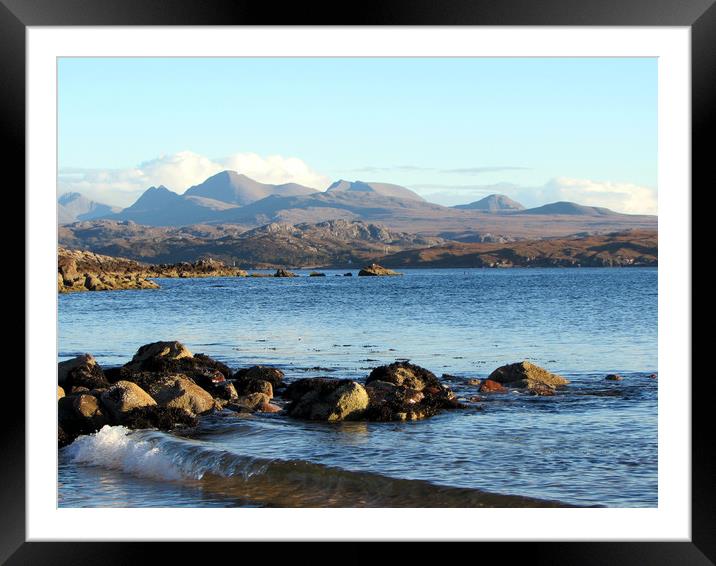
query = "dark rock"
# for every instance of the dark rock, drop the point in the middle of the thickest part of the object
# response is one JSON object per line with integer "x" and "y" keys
{"x": 80, "y": 414}
{"x": 266, "y": 373}
{"x": 542, "y": 390}
{"x": 527, "y": 375}
{"x": 149, "y": 356}
{"x": 390, "y": 402}
{"x": 63, "y": 438}
{"x": 489, "y": 386}
{"x": 246, "y": 386}
{"x": 614, "y": 377}
{"x": 181, "y": 392}
{"x": 324, "y": 399}
{"x": 349, "y": 274}
{"x": 284, "y": 273}
{"x": 123, "y": 397}
{"x": 404, "y": 373}
{"x": 316, "y": 274}
{"x": 162, "y": 418}
{"x": 252, "y": 402}
{"x": 154, "y": 361}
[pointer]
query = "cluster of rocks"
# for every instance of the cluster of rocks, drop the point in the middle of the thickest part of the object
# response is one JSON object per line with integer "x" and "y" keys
{"x": 87, "y": 271}
{"x": 79, "y": 270}
{"x": 202, "y": 268}
{"x": 165, "y": 385}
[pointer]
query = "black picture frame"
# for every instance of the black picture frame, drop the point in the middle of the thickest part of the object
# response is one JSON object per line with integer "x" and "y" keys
{"x": 699, "y": 15}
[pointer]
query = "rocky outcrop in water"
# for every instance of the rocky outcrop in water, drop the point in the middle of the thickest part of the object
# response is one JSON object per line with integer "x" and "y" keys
{"x": 528, "y": 376}
{"x": 322, "y": 399}
{"x": 86, "y": 271}
{"x": 165, "y": 386}
{"x": 375, "y": 270}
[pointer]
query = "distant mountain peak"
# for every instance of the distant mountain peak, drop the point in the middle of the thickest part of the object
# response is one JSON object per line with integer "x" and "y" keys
{"x": 564, "y": 207}
{"x": 236, "y": 188}
{"x": 74, "y": 206}
{"x": 493, "y": 203}
{"x": 382, "y": 189}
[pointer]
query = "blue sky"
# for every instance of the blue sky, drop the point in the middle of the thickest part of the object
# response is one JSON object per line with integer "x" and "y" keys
{"x": 452, "y": 129}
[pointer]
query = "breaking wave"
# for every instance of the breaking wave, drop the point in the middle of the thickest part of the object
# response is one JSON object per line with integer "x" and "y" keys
{"x": 275, "y": 483}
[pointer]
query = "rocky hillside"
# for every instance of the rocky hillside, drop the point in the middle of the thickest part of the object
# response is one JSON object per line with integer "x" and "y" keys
{"x": 334, "y": 242}
{"x": 625, "y": 249}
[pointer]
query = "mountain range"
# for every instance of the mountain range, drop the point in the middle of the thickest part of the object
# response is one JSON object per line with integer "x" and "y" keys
{"x": 72, "y": 207}
{"x": 230, "y": 198}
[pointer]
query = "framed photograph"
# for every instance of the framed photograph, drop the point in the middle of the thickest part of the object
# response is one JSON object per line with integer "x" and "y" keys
{"x": 423, "y": 274}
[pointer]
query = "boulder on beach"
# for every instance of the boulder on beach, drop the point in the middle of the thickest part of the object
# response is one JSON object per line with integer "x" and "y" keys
{"x": 265, "y": 373}
{"x": 81, "y": 370}
{"x": 122, "y": 397}
{"x": 80, "y": 414}
{"x": 156, "y": 360}
{"x": 390, "y": 402}
{"x": 527, "y": 375}
{"x": 406, "y": 374}
{"x": 377, "y": 270}
{"x": 152, "y": 354}
{"x": 181, "y": 392}
{"x": 323, "y": 399}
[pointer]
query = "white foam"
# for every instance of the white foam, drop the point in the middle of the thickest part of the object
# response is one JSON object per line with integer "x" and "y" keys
{"x": 117, "y": 448}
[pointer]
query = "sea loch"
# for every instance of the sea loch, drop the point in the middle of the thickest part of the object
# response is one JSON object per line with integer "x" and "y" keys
{"x": 594, "y": 443}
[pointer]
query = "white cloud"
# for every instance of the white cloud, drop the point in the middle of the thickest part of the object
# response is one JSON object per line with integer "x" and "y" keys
{"x": 620, "y": 197}
{"x": 180, "y": 171}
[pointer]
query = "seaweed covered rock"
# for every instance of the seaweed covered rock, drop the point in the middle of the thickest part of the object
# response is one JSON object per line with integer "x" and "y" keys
{"x": 159, "y": 359}
{"x": 80, "y": 371}
{"x": 527, "y": 375}
{"x": 251, "y": 402}
{"x": 265, "y": 373}
{"x": 405, "y": 374}
{"x": 180, "y": 392}
{"x": 324, "y": 399}
{"x": 246, "y": 386}
{"x": 123, "y": 397}
{"x": 154, "y": 416}
{"x": 375, "y": 270}
{"x": 391, "y": 402}
{"x": 149, "y": 356}
{"x": 80, "y": 414}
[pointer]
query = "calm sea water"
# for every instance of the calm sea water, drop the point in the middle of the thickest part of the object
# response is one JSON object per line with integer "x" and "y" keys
{"x": 593, "y": 444}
